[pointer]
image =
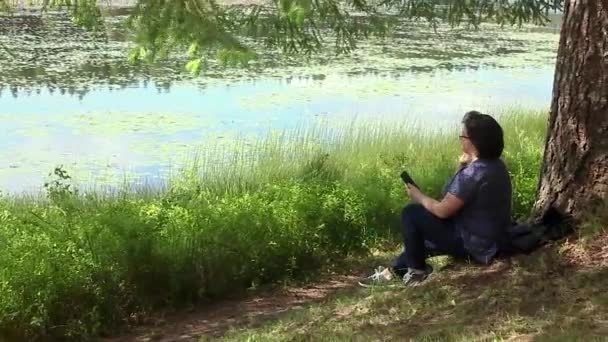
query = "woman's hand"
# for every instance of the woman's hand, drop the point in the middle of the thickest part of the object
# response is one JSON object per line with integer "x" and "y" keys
{"x": 443, "y": 209}
{"x": 414, "y": 193}
{"x": 465, "y": 159}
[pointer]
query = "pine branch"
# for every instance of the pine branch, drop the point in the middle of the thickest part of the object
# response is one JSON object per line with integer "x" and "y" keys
{"x": 301, "y": 27}
{"x": 8, "y": 51}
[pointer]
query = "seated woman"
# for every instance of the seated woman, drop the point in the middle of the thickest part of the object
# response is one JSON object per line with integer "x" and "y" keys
{"x": 471, "y": 219}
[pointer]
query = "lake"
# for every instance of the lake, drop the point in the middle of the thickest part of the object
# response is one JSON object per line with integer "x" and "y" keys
{"x": 69, "y": 97}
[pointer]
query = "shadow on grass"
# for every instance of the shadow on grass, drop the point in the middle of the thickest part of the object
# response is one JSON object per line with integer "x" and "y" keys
{"x": 256, "y": 308}
{"x": 538, "y": 297}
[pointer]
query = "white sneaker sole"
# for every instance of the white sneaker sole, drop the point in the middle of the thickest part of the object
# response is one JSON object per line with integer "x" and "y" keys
{"x": 391, "y": 284}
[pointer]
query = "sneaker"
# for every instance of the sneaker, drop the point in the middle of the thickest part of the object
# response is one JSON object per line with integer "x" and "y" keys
{"x": 382, "y": 276}
{"x": 414, "y": 277}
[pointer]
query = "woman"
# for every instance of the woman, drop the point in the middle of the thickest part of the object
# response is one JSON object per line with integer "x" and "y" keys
{"x": 471, "y": 219}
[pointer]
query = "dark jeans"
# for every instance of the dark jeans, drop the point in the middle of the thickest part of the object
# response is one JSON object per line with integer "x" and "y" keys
{"x": 426, "y": 235}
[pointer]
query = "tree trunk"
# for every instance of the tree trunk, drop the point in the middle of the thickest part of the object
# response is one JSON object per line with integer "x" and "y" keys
{"x": 575, "y": 165}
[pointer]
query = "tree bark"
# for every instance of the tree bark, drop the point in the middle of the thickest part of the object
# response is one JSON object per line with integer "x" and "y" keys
{"x": 574, "y": 173}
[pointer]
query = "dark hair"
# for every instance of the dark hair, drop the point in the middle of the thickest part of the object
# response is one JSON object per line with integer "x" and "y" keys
{"x": 485, "y": 134}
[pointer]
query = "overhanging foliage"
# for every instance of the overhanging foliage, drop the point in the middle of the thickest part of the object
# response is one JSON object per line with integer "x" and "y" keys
{"x": 203, "y": 28}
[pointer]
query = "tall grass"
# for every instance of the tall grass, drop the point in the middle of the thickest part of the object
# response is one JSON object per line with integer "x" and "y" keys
{"x": 77, "y": 265}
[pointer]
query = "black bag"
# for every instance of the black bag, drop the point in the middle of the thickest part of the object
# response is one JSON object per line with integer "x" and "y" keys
{"x": 525, "y": 237}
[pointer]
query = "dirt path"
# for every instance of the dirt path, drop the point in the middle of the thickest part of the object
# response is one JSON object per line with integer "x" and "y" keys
{"x": 256, "y": 309}
{"x": 216, "y": 319}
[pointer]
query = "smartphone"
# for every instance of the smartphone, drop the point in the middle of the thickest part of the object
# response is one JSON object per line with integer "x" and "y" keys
{"x": 407, "y": 179}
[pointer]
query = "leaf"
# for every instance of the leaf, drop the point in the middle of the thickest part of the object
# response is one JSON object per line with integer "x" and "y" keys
{"x": 193, "y": 50}
{"x": 194, "y": 67}
{"x": 134, "y": 55}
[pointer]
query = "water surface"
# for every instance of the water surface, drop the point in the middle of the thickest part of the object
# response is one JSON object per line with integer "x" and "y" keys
{"x": 70, "y": 97}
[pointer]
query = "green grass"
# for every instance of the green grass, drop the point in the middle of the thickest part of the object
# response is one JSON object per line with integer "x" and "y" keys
{"x": 540, "y": 297}
{"x": 76, "y": 265}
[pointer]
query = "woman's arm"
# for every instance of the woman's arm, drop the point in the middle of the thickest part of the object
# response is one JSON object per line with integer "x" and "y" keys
{"x": 443, "y": 209}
